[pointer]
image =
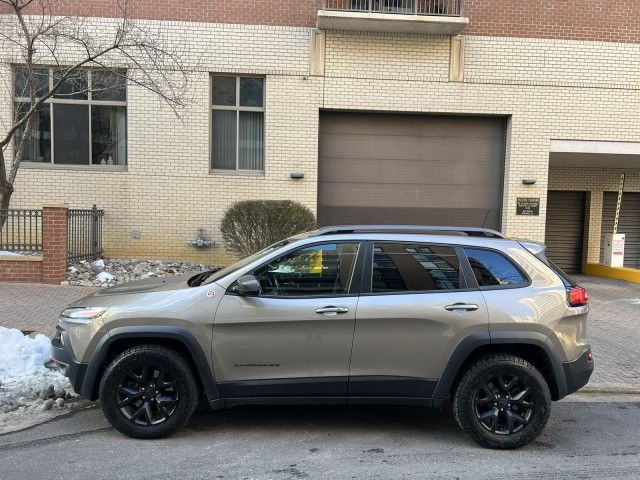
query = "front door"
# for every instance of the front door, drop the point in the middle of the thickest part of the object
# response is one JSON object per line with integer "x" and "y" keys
{"x": 410, "y": 318}
{"x": 295, "y": 337}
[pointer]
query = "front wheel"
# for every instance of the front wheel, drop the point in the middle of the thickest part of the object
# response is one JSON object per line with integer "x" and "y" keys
{"x": 148, "y": 391}
{"x": 502, "y": 401}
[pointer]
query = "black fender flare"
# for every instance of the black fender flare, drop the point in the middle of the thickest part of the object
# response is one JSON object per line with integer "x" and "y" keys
{"x": 186, "y": 338}
{"x": 469, "y": 344}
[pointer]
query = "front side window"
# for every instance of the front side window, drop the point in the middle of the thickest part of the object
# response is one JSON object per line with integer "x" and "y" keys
{"x": 83, "y": 123}
{"x": 493, "y": 269}
{"x": 237, "y": 123}
{"x": 325, "y": 269}
{"x": 400, "y": 267}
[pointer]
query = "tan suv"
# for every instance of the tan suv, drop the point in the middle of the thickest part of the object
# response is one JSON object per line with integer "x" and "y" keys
{"x": 402, "y": 315}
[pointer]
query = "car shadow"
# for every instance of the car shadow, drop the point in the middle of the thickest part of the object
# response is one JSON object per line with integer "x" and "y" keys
{"x": 400, "y": 419}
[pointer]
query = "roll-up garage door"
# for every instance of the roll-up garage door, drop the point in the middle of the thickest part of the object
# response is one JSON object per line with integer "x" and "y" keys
{"x": 410, "y": 169}
{"x": 629, "y": 224}
{"x": 564, "y": 236}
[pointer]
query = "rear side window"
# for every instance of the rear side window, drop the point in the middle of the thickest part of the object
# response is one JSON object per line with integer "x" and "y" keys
{"x": 494, "y": 269}
{"x": 402, "y": 267}
{"x": 566, "y": 279}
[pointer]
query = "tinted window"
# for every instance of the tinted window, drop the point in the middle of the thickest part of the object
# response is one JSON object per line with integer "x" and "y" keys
{"x": 492, "y": 268}
{"x": 400, "y": 267}
{"x": 315, "y": 270}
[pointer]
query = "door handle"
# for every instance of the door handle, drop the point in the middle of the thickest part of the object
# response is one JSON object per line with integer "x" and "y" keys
{"x": 330, "y": 311}
{"x": 469, "y": 307}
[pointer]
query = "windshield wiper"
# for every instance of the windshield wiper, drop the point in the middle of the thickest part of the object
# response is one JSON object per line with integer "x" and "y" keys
{"x": 197, "y": 280}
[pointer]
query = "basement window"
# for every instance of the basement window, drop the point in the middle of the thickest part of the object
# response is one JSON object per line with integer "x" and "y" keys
{"x": 83, "y": 123}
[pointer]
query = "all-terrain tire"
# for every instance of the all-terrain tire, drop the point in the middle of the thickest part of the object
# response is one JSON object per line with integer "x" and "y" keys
{"x": 154, "y": 358}
{"x": 470, "y": 393}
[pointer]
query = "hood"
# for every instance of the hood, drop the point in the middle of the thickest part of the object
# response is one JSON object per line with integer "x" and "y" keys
{"x": 149, "y": 284}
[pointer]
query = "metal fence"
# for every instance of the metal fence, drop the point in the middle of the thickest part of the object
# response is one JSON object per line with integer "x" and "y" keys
{"x": 21, "y": 230}
{"x": 414, "y": 7}
{"x": 84, "y": 234}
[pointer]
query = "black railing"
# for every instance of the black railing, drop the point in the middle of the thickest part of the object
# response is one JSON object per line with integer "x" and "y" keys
{"x": 84, "y": 234}
{"x": 454, "y": 8}
{"x": 21, "y": 230}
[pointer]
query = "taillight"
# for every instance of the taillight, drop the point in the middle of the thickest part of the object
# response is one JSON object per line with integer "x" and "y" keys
{"x": 577, "y": 296}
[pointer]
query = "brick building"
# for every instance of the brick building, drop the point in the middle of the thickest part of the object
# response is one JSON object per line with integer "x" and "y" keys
{"x": 516, "y": 114}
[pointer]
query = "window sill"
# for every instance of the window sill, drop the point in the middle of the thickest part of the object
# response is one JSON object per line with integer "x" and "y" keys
{"x": 239, "y": 173}
{"x": 93, "y": 168}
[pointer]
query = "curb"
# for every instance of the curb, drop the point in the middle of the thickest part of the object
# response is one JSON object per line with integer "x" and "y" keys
{"x": 610, "y": 388}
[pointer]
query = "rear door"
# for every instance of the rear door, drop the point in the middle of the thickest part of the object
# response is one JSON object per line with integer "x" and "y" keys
{"x": 414, "y": 309}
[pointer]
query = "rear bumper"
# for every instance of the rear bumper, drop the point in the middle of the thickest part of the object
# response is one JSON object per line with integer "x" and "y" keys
{"x": 578, "y": 372}
{"x": 64, "y": 361}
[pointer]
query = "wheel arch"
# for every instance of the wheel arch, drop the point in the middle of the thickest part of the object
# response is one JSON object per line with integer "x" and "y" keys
{"x": 121, "y": 338}
{"x": 534, "y": 347}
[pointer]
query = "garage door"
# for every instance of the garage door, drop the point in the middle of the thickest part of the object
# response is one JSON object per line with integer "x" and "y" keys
{"x": 564, "y": 234}
{"x": 410, "y": 169}
{"x": 629, "y": 224}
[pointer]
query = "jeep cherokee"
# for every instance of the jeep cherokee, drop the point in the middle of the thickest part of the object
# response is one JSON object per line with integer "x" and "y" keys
{"x": 403, "y": 315}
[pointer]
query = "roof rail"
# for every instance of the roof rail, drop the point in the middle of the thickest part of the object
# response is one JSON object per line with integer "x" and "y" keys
{"x": 469, "y": 231}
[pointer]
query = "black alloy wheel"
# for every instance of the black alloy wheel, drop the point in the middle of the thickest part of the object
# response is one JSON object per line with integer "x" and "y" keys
{"x": 504, "y": 404}
{"x": 149, "y": 391}
{"x": 147, "y": 395}
{"x": 502, "y": 401}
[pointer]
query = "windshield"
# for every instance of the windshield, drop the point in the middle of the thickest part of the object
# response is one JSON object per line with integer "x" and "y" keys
{"x": 244, "y": 262}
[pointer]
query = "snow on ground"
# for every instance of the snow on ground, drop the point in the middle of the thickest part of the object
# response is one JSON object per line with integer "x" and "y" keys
{"x": 105, "y": 277}
{"x": 29, "y": 392}
{"x": 6, "y": 252}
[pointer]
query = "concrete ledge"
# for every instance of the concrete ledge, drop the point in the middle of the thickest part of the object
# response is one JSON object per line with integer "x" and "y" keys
{"x": 628, "y": 274}
{"x": 613, "y": 388}
{"x": 21, "y": 258}
{"x": 391, "y": 22}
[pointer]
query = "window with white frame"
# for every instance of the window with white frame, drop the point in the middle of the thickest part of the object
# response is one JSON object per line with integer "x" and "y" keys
{"x": 83, "y": 123}
{"x": 237, "y": 122}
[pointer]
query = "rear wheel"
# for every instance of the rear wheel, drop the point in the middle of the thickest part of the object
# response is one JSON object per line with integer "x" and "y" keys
{"x": 502, "y": 401}
{"x": 148, "y": 391}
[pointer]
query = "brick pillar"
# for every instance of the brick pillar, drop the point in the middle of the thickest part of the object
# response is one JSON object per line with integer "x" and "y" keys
{"x": 54, "y": 243}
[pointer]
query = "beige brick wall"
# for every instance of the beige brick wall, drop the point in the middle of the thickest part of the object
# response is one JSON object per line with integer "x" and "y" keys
{"x": 548, "y": 90}
{"x": 543, "y": 62}
{"x": 376, "y": 56}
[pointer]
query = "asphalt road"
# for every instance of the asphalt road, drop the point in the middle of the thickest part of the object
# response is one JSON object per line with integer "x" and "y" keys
{"x": 589, "y": 437}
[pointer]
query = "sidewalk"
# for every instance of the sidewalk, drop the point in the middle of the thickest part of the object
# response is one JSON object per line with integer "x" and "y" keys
{"x": 613, "y": 330}
{"x": 34, "y": 307}
{"x": 614, "y": 333}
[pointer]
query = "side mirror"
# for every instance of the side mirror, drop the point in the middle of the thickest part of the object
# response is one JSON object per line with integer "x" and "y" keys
{"x": 247, "y": 285}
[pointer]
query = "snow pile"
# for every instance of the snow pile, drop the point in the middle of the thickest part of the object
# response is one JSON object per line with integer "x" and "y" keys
{"x": 6, "y": 252}
{"x": 105, "y": 277}
{"x": 98, "y": 264}
{"x": 23, "y": 377}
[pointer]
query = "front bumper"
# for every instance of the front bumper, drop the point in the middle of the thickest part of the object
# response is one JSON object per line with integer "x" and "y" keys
{"x": 578, "y": 372}
{"x": 64, "y": 361}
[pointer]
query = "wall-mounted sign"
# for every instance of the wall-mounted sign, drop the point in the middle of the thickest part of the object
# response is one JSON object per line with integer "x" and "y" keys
{"x": 528, "y": 206}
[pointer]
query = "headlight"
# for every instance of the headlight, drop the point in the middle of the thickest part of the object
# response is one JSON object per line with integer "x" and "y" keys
{"x": 83, "y": 313}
